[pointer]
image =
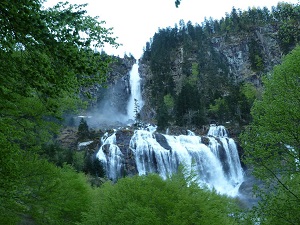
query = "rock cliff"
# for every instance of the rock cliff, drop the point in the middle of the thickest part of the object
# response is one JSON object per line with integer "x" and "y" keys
{"x": 109, "y": 101}
{"x": 117, "y": 87}
{"x": 236, "y": 50}
{"x": 192, "y": 75}
{"x": 220, "y": 60}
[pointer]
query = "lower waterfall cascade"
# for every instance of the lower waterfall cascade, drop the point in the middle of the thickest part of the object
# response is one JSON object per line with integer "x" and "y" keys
{"x": 214, "y": 157}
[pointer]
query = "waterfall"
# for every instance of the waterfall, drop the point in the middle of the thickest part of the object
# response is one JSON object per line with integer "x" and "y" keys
{"x": 217, "y": 131}
{"x": 135, "y": 91}
{"x": 111, "y": 157}
{"x": 214, "y": 158}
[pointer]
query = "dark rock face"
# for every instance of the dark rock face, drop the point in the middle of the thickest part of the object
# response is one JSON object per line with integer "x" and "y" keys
{"x": 241, "y": 155}
{"x": 162, "y": 141}
{"x": 236, "y": 51}
{"x": 223, "y": 158}
{"x": 123, "y": 141}
{"x": 205, "y": 140}
{"x": 114, "y": 98}
{"x": 110, "y": 100}
{"x": 68, "y": 138}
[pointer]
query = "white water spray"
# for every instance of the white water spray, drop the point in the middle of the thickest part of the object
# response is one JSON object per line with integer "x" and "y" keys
{"x": 135, "y": 88}
{"x": 113, "y": 159}
{"x": 214, "y": 157}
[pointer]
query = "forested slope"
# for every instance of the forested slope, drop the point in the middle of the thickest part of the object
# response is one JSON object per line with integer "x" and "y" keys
{"x": 195, "y": 74}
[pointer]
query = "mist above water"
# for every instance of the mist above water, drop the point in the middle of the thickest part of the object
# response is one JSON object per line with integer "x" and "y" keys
{"x": 112, "y": 111}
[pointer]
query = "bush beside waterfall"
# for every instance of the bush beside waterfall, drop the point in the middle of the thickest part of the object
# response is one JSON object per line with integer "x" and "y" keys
{"x": 152, "y": 200}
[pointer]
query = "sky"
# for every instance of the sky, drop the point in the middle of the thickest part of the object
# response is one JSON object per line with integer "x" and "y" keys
{"x": 134, "y": 22}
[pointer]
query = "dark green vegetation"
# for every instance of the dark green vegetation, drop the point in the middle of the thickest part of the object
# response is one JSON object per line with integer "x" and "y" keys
{"x": 43, "y": 65}
{"x": 191, "y": 81}
{"x": 152, "y": 200}
{"x": 272, "y": 144}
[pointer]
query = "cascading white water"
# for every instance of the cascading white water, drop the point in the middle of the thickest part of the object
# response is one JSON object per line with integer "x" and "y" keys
{"x": 150, "y": 156}
{"x": 217, "y": 131}
{"x": 216, "y": 162}
{"x": 135, "y": 88}
{"x": 113, "y": 159}
{"x": 219, "y": 170}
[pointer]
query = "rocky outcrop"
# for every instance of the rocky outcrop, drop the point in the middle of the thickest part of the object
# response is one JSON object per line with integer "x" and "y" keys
{"x": 241, "y": 56}
{"x": 236, "y": 50}
{"x": 123, "y": 138}
{"x": 68, "y": 138}
{"x": 147, "y": 112}
{"x": 112, "y": 97}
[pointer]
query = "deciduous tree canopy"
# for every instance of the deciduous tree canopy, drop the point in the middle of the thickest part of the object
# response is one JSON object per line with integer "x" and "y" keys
{"x": 152, "y": 200}
{"x": 46, "y": 56}
{"x": 272, "y": 143}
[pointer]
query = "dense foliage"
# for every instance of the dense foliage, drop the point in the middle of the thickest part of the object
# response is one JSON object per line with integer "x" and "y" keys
{"x": 272, "y": 144}
{"x": 152, "y": 200}
{"x": 188, "y": 70}
{"x": 46, "y": 56}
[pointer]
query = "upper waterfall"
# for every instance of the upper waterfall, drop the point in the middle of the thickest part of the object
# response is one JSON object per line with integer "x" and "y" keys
{"x": 135, "y": 89}
{"x": 217, "y": 131}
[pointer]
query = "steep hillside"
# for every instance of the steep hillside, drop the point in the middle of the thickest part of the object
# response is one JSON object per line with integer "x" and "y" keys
{"x": 196, "y": 74}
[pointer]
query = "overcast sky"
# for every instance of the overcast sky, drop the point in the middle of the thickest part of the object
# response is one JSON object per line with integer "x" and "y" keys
{"x": 136, "y": 21}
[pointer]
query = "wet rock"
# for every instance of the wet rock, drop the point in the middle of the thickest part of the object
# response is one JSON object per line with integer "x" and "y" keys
{"x": 246, "y": 195}
{"x": 205, "y": 140}
{"x": 123, "y": 138}
{"x": 162, "y": 141}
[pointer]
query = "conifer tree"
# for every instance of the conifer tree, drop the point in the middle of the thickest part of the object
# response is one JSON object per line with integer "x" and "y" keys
{"x": 83, "y": 130}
